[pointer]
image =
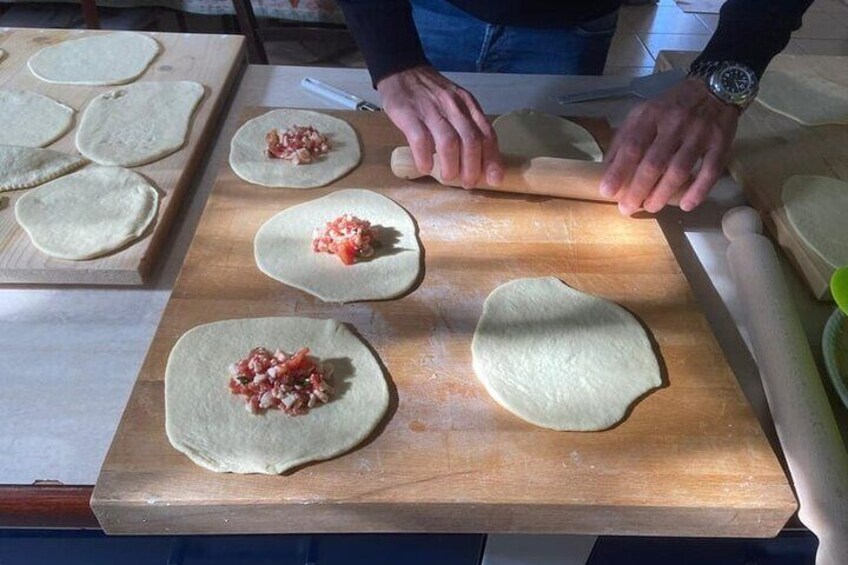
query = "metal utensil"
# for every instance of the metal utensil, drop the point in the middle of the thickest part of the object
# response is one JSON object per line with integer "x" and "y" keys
{"x": 337, "y": 95}
{"x": 642, "y": 87}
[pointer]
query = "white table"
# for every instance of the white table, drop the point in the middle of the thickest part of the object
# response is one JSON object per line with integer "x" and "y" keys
{"x": 69, "y": 356}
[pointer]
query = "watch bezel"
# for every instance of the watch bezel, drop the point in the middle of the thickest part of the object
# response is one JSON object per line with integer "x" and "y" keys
{"x": 740, "y": 99}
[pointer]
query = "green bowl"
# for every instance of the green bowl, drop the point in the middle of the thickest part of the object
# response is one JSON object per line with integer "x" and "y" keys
{"x": 835, "y": 349}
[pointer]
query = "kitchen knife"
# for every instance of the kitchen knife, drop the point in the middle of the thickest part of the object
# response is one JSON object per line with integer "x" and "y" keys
{"x": 544, "y": 176}
{"x": 642, "y": 87}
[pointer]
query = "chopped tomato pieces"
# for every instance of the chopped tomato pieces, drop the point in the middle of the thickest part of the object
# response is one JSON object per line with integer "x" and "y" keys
{"x": 291, "y": 383}
{"x": 298, "y": 144}
{"x": 347, "y": 237}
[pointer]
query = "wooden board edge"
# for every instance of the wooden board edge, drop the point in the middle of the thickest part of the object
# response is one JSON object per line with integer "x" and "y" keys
{"x": 46, "y": 506}
{"x": 161, "y": 519}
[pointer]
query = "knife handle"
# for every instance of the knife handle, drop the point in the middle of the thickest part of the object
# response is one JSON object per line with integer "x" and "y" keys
{"x": 543, "y": 176}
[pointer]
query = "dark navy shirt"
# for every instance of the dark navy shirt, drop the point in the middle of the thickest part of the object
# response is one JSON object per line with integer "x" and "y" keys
{"x": 749, "y": 31}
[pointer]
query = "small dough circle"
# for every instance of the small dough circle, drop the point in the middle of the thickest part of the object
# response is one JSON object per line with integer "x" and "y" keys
{"x": 817, "y": 208}
{"x": 88, "y": 213}
{"x": 528, "y": 134}
{"x": 25, "y": 167}
{"x": 248, "y": 159}
{"x": 95, "y": 60}
{"x": 29, "y": 119}
{"x": 283, "y": 249}
{"x": 561, "y": 359}
{"x": 138, "y": 123}
{"x": 807, "y": 98}
{"x": 208, "y": 423}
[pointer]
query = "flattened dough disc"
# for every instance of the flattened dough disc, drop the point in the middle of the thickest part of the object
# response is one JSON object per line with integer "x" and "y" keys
{"x": 88, "y": 213}
{"x": 102, "y": 59}
{"x": 139, "y": 123}
{"x": 807, "y": 98}
{"x": 248, "y": 159}
{"x": 29, "y": 119}
{"x": 204, "y": 420}
{"x": 283, "y": 249}
{"x": 529, "y": 134}
{"x": 25, "y": 167}
{"x": 817, "y": 209}
{"x": 559, "y": 358}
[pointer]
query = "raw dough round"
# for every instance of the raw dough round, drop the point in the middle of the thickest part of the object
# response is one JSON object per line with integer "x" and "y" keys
{"x": 88, "y": 213}
{"x": 559, "y": 358}
{"x": 529, "y": 134}
{"x": 102, "y": 59}
{"x": 139, "y": 123}
{"x": 32, "y": 120}
{"x": 204, "y": 420}
{"x": 25, "y": 167}
{"x": 807, "y": 98}
{"x": 283, "y": 249}
{"x": 817, "y": 209}
{"x": 248, "y": 159}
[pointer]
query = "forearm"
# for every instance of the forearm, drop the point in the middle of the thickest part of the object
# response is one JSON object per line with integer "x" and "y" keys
{"x": 754, "y": 31}
{"x": 385, "y": 33}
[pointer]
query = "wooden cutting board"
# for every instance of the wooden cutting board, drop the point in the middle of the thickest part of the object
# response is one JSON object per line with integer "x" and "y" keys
{"x": 770, "y": 148}
{"x": 183, "y": 57}
{"x": 690, "y": 459}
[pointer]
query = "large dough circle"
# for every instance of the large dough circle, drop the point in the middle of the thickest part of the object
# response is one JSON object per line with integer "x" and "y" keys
{"x": 817, "y": 209}
{"x": 96, "y": 60}
{"x": 528, "y": 133}
{"x": 88, "y": 213}
{"x": 29, "y": 119}
{"x": 139, "y": 123}
{"x": 248, "y": 159}
{"x": 559, "y": 358}
{"x": 210, "y": 425}
{"x": 283, "y": 249}
{"x": 807, "y": 98}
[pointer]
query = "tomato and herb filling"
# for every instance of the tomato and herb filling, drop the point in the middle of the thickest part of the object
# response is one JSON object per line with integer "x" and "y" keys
{"x": 291, "y": 383}
{"x": 298, "y": 144}
{"x": 347, "y": 237}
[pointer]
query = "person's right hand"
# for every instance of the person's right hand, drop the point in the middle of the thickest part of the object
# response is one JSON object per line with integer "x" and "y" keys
{"x": 437, "y": 116}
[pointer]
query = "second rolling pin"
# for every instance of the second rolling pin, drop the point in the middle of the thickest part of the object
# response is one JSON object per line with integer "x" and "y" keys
{"x": 544, "y": 176}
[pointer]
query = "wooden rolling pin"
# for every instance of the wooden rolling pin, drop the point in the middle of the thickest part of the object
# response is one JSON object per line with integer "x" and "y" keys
{"x": 545, "y": 176}
{"x": 802, "y": 415}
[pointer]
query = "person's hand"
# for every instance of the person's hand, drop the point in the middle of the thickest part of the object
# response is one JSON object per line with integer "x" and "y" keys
{"x": 655, "y": 152}
{"x": 438, "y": 116}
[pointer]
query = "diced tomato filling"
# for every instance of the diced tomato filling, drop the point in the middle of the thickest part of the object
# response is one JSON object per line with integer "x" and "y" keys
{"x": 298, "y": 144}
{"x": 291, "y": 383}
{"x": 347, "y": 236}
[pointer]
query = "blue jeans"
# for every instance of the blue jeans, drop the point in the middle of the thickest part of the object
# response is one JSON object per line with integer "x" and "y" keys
{"x": 455, "y": 41}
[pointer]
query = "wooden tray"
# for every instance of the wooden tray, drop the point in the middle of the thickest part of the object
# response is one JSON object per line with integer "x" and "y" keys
{"x": 183, "y": 57}
{"x": 770, "y": 148}
{"x": 689, "y": 460}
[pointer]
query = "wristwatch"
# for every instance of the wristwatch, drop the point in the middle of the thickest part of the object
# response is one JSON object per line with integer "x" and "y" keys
{"x": 732, "y": 83}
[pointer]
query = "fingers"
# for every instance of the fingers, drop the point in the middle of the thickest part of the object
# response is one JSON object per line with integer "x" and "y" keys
{"x": 492, "y": 163}
{"x": 437, "y": 116}
{"x": 648, "y": 172}
{"x": 419, "y": 139}
{"x": 678, "y": 173}
{"x": 711, "y": 169}
{"x": 630, "y": 145}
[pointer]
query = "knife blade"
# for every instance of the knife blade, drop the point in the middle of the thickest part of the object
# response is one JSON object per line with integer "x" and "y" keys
{"x": 337, "y": 95}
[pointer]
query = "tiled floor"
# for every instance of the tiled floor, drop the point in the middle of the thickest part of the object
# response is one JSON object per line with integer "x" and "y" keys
{"x": 643, "y": 32}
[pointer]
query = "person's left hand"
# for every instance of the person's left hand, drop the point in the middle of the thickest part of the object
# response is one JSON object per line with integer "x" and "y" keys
{"x": 657, "y": 148}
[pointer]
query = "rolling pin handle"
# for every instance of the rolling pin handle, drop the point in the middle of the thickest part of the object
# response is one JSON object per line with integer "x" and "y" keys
{"x": 740, "y": 222}
{"x": 403, "y": 164}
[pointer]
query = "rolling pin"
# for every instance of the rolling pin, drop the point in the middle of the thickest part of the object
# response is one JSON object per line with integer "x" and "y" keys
{"x": 806, "y": 426}
{"x": 543, "y": 176}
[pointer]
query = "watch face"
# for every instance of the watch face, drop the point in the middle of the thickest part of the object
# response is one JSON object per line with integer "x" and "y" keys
{"x": 735, "y": 80}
